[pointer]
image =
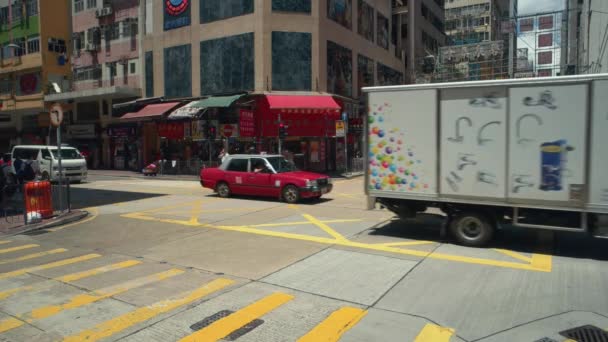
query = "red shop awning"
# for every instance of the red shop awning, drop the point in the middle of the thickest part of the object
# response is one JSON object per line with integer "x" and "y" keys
{"x": 302, "y": 102}
{"x": 151, "y": 111}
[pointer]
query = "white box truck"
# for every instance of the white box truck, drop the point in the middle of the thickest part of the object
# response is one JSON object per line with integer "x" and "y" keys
{"x": 526, "y": 152}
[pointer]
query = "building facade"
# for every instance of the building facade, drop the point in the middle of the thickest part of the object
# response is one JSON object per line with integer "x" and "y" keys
{"x": 199, "y": 48}
{"x": 419, "y": 32}
{"x": 588, "y": 48}
{"x": 34, "y": 40}
{"x": 106, "y": 70}
{"x": 475, "y": 21}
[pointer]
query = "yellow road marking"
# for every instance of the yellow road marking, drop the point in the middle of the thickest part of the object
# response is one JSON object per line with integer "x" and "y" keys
{"x": 4, "y": 242}
{"x": 84, "y": 299}
{"x": 94, "y": 212}
{"x": 300, "y": 223}
{"x": 59, "y": 263}
{"x": 18, "y": 248}
{"x": 72, "y": 277}
{"x": 293, "y": 206}
{"x": 129, "y": 319}
{"x": 514, "y": 255}
{"x": 34, "y": 255}
{"x": 406, "y": 243}
{"x": 332, "y": 328}
{"x": 223, "y": 327}
{"x": 98, "y": 270}
{"x": 540, "y": 263}
{"x": 348, "y": 195}
{"x": 324, "y": 227}
{"x": 434, "y": 333}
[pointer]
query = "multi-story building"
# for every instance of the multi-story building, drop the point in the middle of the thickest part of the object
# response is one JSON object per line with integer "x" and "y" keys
{"x": 292, "y": 48}
{"x": 106, "y": 70}
{"x": 419, "y": 32}
{"x": 34, "y": 60}
{"x": 588, "y": 40}
{"x": 474, "y": 21}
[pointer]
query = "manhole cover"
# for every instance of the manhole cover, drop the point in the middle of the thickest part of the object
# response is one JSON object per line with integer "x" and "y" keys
{"x": 586, "y": 333}
{"x": 222, "y": 314}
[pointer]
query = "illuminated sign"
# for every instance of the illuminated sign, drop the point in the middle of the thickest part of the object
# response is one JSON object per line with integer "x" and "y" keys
{"x": 177, "y": 14}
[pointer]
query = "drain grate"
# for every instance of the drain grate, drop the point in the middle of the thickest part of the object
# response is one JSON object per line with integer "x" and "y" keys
{"x": 586, "y": 333}
{"x": 546, "y": 339}
{"x": 222, "y": 314}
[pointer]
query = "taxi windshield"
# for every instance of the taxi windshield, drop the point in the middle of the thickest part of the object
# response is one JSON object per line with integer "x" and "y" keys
{"x": 280, "y": 164}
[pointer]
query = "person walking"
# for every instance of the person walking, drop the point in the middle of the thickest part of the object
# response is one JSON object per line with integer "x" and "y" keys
{"x": 30, "y": 169}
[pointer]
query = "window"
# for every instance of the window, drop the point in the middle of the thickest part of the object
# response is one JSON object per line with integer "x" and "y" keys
{"x": 300, "y": 6}
{"x": 57, "y": 45}
{"x": 238, "y": 165}
{"x": 17, "y": 12}
{"x": 91, "y": 3}
{"x": 129, "y": 27}
{"x": 212, "y": 10}
{"x": 6, "y": 86}
{"x": 3, "y": 15}
{"x": 87, "y": 73}
{"x": 149, "y": 74}
{"x": 132, "y": 68}
{"x": 112, "y": 69}
{"x": 33, "y": 44}
{"x": 78, "y": 41}
{"x": 32, "y": 7}
{"x": 291, "y": 60}
{"x": 78, "y": 6}
{"x": 403, "y": 30}
{"x": 112, "y": 31}
{"x": 258, "y": 163}
{"x": 178, "y": 71}
{"x": 236, "y": 56}
{"x": 20, "y": 50}
{"x": 46, "y": 154}
{"x": 340, "y": 11}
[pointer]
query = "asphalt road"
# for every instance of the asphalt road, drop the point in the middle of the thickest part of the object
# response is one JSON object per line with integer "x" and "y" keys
{"x": 164, "y": 260}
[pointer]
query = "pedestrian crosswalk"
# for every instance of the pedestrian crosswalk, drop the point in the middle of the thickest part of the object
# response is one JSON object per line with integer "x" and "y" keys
{"x": 40, "y": 286}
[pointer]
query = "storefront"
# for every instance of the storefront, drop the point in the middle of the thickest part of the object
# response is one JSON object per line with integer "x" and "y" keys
{"x": 311, "y": 128}
{"x": 124, "y": 146}
{"x": 85, "y": 138}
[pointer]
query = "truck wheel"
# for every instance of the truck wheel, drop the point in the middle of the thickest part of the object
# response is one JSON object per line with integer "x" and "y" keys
{"x": 472, "y": 229}
{"x": 291, "y": 194}
{"x": 223, "y": 190}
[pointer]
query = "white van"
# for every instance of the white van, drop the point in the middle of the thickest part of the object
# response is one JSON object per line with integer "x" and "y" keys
{"x": 73, "y": 163}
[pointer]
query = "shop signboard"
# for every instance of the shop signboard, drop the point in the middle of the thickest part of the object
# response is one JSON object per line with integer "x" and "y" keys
{"x": 228, "y": 130}
{"x": 121, "y": 131}
{"x": 246, "y": 123}
{"x": 171, "y": 130}
{"x": 176, "y": 14}
{"x": 196, "y": 131}
{"x": 81, "y": 131}
{"x": 340, "y": 128}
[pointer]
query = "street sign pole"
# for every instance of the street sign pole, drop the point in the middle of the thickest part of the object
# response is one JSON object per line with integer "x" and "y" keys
{"x": 345, "y": 146}
{"x": 56, "y": 116}
{"x": 279, "y": 135}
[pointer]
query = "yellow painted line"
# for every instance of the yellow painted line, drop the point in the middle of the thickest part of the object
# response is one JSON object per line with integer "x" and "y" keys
{"x": 5, "y": 242}
{"x": 225, "y": 326}
{"x": 18, "y": 248}
{"x": 300, "y": 223}
{"x": 55, "y": 264}
{"x": 33, "y": 256}
{"x": 324, "y": 227}
{"x": 332, "y": 328}
{"x": 293, "y": 206}
{"x": 118, "y": 324}
{"x": 541, "y": 263}
{"x": 72, "y": 277}
{"x": 434, "y": 333}
{"x": 514, "y": 255}
{"x": 84, "y": 299}
{"x": 98, "y": 270}
{"x": 93, "y": 213}
{"x": 406, "y": 243}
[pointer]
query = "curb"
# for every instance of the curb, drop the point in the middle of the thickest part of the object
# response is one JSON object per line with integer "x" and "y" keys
{"x": 73, "y": 216}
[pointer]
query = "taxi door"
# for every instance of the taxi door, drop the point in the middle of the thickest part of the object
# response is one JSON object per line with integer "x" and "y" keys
{"x": 259, "y": 179}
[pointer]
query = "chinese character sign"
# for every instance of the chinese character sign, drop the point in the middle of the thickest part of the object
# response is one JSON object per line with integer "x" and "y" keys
{"x": 246, "y": 123}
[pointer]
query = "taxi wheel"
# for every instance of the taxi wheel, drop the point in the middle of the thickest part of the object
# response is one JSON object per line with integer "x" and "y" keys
{"x": 223, "y": 190}
{"x": 291, "y": 194}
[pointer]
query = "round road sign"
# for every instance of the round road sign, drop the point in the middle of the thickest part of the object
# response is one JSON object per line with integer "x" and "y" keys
{"x": 56, "y": 115}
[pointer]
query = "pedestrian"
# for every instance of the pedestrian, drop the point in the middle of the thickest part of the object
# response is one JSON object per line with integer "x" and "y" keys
{"x": 5, "y": 178}
{"x": 30, "y": 169}
{"x": 18, "y": 167}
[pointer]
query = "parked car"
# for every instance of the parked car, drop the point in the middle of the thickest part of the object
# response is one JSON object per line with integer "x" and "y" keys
{"x": 264, "y": 175}
{"x": 73, "y": 164}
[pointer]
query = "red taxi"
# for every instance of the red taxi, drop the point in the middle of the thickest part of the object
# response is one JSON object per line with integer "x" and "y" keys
{"x": 264, "y": 175}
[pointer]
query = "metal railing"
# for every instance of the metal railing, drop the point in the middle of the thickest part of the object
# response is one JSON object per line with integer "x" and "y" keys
{"x": 183, "y": 167}
{"x": 14, "y": 208}
{"x": 356, "y": 165}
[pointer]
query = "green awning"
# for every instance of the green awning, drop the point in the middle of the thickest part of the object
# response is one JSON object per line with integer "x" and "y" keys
{"x": 217, "y": 101}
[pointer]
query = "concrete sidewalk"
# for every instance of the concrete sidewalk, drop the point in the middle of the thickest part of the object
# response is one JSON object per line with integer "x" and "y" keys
{"x": 16, "y": 226}
{"x": 134, "y": 174}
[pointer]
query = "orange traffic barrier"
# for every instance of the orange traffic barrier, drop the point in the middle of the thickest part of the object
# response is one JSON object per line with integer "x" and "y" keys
{"x": 38, "y": 199}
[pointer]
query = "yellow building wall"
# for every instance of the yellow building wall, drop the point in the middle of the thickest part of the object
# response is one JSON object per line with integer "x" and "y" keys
{"x": 55, "y": 22}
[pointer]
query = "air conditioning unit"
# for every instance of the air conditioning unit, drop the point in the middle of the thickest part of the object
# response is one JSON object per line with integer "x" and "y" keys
{"x": 103, "y": 12}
